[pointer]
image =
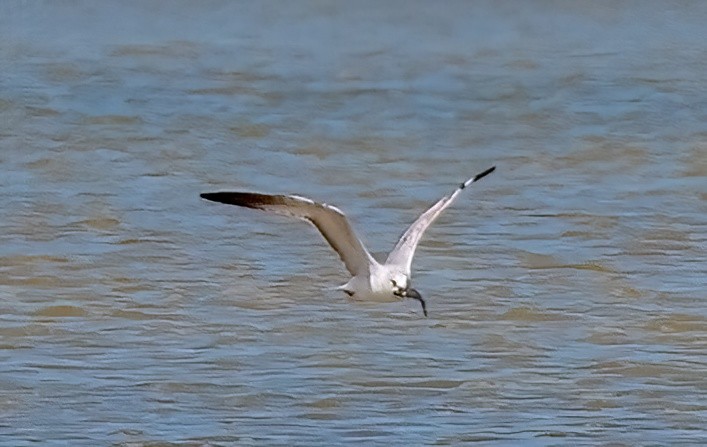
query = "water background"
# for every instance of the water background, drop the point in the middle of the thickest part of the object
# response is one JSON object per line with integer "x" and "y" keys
{"x": 566, "y": 291}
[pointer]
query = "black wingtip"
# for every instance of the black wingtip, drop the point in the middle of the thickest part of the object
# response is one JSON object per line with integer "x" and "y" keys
{"x": 484, "y": 174}
{"x": 213, "y": 196}
{"x": 228, "y": 198}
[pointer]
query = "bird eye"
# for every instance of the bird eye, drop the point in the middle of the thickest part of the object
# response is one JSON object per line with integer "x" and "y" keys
{"x": 394, "y": 283}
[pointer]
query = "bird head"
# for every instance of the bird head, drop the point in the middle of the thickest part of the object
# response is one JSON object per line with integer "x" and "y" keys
{"x": 401, "y": 288}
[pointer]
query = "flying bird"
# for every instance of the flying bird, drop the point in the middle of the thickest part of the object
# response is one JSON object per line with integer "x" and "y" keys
{"x": 371, "y": 280}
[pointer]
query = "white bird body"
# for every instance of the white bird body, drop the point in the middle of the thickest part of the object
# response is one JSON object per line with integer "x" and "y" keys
{"x": 370, "y": 280}
{"x": 376, "y": 285}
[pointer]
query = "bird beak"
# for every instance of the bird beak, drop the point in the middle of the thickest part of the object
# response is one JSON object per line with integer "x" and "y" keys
{"x": 415, "y": 295}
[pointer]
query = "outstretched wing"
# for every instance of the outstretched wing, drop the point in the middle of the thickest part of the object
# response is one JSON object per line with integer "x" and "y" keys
{"x": 329, "y": 220}
{"x": 404, "y": 250}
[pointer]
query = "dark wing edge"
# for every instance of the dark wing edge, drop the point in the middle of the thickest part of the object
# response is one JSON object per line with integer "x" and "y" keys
{"x": 329, "y": 220}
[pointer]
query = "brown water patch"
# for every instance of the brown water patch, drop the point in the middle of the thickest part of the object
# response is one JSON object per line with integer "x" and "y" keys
{"x": 409, "y": 383}
{"x": 321, "y": 416}
{"x": 254, "y": 300}
{"x": 240, "y": 76}
{"x": 164, "y": 444}
{"x": 637, "y": 369}
{"x": 440, "y": 384}
{"x": 10, "y": 261}
{"x": 6, "y": 104}
{"x": 646, "y": 247}
{"x": 676, "y": 323}
{"x": 60, "y": 311}
{"x": 608, "y": 337}
{"x": 55, "y": 168}
{"x": 600, "y": 404}
{"x": 239, "y": 90}
{"x": 44, "y": 163}
{"x": 118, "y": 120}
{"x": 576, "y": 217}
{"x": 641, "y": 369}
{"x": 314, "y": 150}
{"x": 176, "y": 49}
{"x": 624, "y": 291}
{"x": 30, "y": 330}
{"x": 696, "y": 161}
{"x": 132, "y": 315}
{"x": 499, "y": 291}
{"x": 100, "y": 223}
{"x": 229, "y": 90}
{"x": 41, "y": 111}
{"x": 250, "y": 130}
{"x": 552, "y": 434}
{"x": 580, "y": 234}
{"x": 325, "y": 403}
{"x": 40, "y": 281}
{"x": 133, "y": 241}
{"x": 498, "y": 342}
{"x": 530, "y": 314}
{"x": 542, "y": 261}
{"x": 611, "y": 155}
{"x": 524, "y": 64}
{"x": 61, "y": 72}
{"x": 538, "y": 261}
{"x": 592, "y": 266}
{"x": 666, "y": 234}
{"x": 129, "y": 289}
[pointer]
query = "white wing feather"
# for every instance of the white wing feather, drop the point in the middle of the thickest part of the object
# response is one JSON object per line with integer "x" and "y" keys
{"x": 404, "y": 250}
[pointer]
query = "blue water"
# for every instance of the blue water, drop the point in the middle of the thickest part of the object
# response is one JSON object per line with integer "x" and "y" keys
{"x": 566, "y": 291}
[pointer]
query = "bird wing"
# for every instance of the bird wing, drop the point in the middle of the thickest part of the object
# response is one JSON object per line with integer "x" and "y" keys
{"x": 404, "y": 250}
{"x": 329, "y": 220}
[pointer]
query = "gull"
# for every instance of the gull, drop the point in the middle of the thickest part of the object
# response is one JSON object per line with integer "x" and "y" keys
{"x": 370, "y": 279}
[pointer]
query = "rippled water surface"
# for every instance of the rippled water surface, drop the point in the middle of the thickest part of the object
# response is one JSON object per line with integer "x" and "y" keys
{"x": 566, "y": 291}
